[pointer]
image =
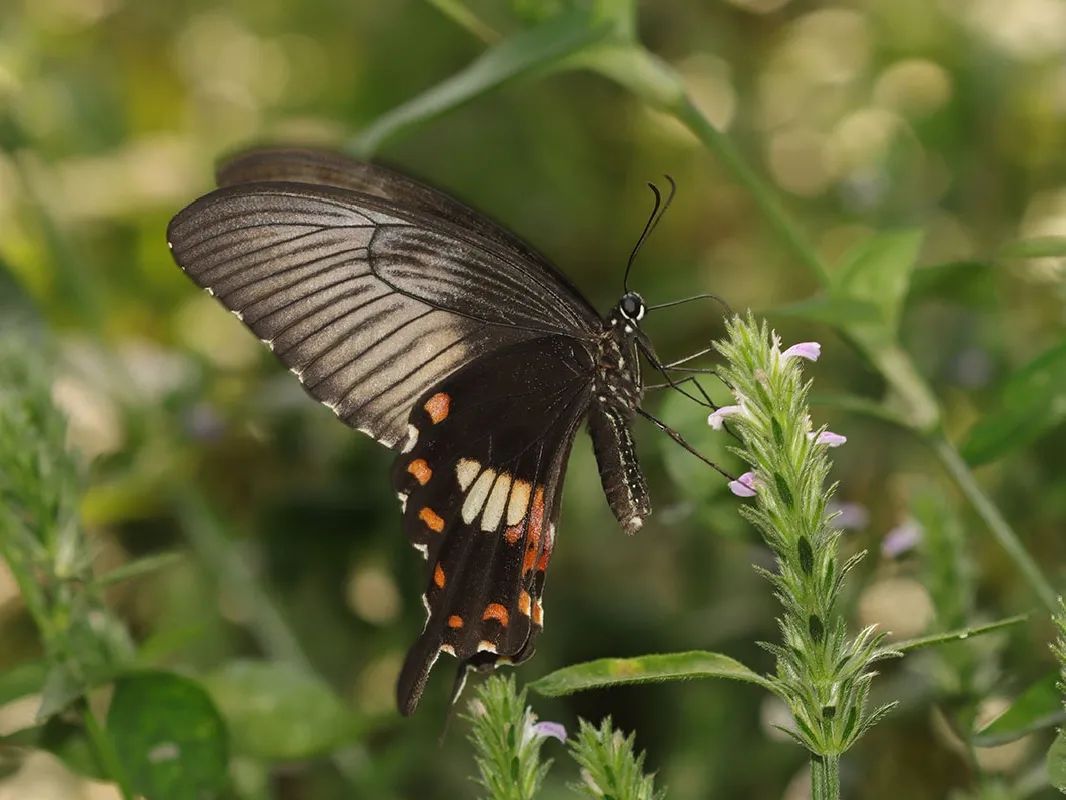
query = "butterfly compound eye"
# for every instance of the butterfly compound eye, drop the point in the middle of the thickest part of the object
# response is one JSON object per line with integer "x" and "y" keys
{"x": 632, "y": 306}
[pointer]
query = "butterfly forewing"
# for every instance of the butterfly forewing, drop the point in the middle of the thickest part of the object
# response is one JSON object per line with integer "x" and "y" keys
{"x": 479, "y": 479}
{"x": 327, "y": 168}
{"x": 367, "y": 304}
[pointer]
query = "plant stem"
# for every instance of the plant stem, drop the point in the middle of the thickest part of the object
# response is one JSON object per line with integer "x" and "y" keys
{"x": 825, "y": 777}
{"x": 959, "y": 470}
{"x": 776, "y": 215}
{"x": 105, "y": 751}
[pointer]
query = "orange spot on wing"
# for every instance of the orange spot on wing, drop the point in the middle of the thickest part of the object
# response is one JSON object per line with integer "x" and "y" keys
{"x": 420, "y": 469}
{"x": 438, "y": 576}
{"x": 432, "y": 519}
{"x": 523, "y": 602}
{"x": 455, "y": 621}
{"x": 538, "y": 613}
{"x": 536, "y": 527}
{"x": 545, "y": 557}
{"x": 497, "y": 612}
{"x": 438, "y": 406}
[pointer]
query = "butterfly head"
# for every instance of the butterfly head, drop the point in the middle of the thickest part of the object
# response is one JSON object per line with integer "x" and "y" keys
{"x": 629, "y": 311}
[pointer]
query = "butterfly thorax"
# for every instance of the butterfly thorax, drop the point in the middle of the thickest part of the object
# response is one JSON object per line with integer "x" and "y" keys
{"x": 618, "y": 383}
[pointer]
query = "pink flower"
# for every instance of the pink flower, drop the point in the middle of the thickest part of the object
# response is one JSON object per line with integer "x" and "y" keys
{"x": 828, "y": 438}
{"x": 807, "y": 350}
{"x": 544, "y": 730}
{"x": 901, "y": 539}
{"x": 744, "y": 486}
{"x": 717, "y": 417}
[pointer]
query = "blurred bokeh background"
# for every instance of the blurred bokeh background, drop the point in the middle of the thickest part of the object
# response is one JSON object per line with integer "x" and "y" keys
{"x": 948, "y": 115}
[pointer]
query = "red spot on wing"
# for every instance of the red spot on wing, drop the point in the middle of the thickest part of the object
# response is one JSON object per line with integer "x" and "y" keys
{"x": 438, "y": 406}
{"x": 455, "y": 621}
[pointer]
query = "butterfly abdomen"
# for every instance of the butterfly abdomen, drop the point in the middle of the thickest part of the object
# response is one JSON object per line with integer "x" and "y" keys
{"x": 618, "y": 393}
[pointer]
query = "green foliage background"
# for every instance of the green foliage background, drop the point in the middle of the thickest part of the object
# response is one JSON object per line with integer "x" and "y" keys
{"x": 868, "y": 116}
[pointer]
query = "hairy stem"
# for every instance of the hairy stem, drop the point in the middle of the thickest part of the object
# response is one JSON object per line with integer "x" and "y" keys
{"x": 825, "y": 777}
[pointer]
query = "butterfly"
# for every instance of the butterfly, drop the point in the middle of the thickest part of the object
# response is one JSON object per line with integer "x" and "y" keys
{"x": 443, "y": 336}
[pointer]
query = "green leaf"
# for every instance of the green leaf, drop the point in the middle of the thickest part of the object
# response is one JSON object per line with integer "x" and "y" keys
{"x": 279, "y": 712}
{"x": 957, "y": 635}
{"x": 644, "y": 669}
{"x": 1037, "y": 247}
{"x": 518, "y": 55}
{"x": 1032, "y": 401}
{"x": 1038, "y": 707}
{"x": 168, "y": 736}
{"x": 1056, "y": 763}
{"x": 878, "y": 272}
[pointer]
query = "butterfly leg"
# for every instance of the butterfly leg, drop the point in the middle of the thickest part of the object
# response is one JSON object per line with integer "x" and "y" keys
{"x": 677, "y": 437}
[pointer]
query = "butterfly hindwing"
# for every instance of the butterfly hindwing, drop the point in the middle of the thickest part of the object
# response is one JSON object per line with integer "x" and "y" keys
{"x": 480, "y": 480}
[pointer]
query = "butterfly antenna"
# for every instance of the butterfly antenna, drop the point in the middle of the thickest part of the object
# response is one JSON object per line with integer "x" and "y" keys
{"x": 666, "y": 204}
{"x": 648, "y": 227}
{"x": 716, "y": 298}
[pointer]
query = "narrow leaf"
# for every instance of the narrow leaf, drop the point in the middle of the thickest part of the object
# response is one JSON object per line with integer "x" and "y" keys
{"x": 1038, "y": 707}
{"x": 644, "y": 669}
{"x": 1032, "y": 402}
{"x": 957, "y": 635}
{"x": 537, "y": 47}
{"x": 278, "y": 712}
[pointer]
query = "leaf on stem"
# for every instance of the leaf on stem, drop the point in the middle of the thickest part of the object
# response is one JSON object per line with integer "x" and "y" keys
{"x": 168, "y": 737}
{"x": 535, "y": 48}
{"x": 957, "y": 635}
{"x": 644, "y": 669}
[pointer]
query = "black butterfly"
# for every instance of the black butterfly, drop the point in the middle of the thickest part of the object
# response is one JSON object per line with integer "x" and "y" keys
{"x": 445, "y": 337}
